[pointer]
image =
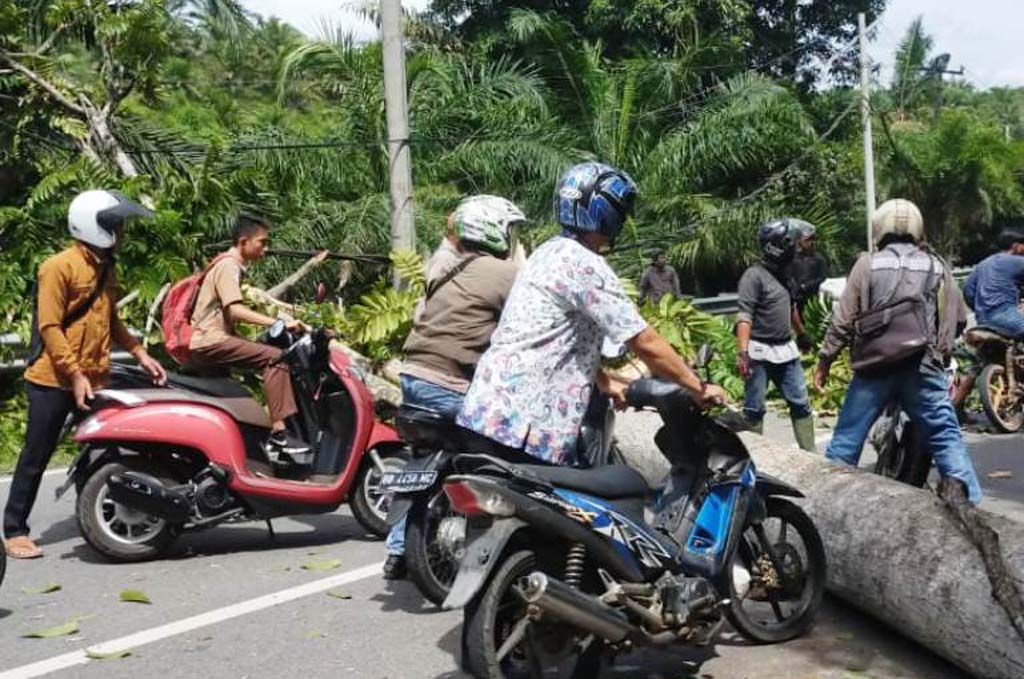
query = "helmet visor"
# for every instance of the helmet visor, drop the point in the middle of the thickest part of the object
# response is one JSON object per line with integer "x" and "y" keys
{"x": 112, "y": 219}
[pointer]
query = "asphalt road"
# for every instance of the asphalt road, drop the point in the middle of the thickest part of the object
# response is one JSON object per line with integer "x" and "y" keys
{"x": 231, "y": 603}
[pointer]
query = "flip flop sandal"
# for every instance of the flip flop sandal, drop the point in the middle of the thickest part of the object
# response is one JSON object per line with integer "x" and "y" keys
{"x": 22, "y": 548}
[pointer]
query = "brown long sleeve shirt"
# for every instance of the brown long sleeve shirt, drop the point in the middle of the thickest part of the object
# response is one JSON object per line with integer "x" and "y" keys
{"x": 65, "y": 281}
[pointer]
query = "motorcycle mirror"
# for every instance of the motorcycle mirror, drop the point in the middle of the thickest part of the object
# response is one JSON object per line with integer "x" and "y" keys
{"x": 704, "y": 356}
{"x": 321, "y": 292}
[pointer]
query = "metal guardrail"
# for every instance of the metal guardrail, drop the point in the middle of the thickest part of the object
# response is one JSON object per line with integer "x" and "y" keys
{"x": 722, "y": 305}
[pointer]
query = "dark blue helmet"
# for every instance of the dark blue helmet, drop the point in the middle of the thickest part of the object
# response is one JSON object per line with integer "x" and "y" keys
{"x": 594, "y": 198}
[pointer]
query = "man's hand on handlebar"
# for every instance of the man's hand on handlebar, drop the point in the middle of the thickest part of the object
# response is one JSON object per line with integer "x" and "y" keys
{"x": 713, "y": 395}
{"x": 296, "y": 326}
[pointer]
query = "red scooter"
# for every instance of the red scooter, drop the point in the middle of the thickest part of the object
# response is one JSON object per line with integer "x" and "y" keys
{"x": 156, "y": 462}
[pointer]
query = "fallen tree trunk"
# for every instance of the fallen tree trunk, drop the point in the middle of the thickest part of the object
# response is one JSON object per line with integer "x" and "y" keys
{"x": 900, "y": 554}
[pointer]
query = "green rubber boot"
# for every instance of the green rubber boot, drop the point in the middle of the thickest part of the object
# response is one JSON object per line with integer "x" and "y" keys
{"x": 756, "y": 427}
{"x": 803, "y": 429}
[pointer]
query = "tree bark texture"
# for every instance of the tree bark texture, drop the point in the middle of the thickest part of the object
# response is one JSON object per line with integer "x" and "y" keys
{"x": 899, "y": 554}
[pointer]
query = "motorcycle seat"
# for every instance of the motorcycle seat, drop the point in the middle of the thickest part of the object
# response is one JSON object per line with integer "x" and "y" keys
{"x": 421, "y": 427}
{"x": 613, "y": 482}
{"x": 223, "y": 387}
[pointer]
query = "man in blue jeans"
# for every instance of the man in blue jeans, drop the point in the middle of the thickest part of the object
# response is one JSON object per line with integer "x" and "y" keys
{"x": 453, "y": 328}
{"x": 901, "y": 268}
{"x": 993, "y": 289}
{"x": 764, "y": 332}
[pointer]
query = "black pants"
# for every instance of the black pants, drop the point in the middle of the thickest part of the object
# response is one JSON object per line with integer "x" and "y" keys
{"x": 48, "y": 407}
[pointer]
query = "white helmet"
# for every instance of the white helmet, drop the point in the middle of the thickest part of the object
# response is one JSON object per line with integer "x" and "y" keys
{"x": 486, "y": 222}
{"x": 900, "y": 217}
{"x": 97, "y": 217}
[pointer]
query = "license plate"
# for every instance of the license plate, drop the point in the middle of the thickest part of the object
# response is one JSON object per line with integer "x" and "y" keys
{"x": 407, "y": 482}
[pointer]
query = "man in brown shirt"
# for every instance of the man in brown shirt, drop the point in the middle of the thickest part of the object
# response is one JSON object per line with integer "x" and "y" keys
{"x": 461, "y": 311}
{"x": 219, "y": 306}
{"x": 76, "y": 321}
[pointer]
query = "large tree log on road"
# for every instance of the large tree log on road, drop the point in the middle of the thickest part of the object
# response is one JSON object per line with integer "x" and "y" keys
{"x": 897, "y": 553}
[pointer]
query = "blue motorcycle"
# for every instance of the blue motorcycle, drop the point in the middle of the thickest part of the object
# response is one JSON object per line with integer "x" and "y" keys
{"x": 562, "y": 570}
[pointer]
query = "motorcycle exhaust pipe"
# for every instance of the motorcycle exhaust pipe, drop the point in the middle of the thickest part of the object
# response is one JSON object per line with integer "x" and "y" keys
{"x": 575, "y": 607}
{"x": 149, "y": 496}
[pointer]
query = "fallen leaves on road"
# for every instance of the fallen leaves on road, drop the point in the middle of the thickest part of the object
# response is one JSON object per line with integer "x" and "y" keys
{"x": 45, "y": 589}
{"x": 1000, "y": 474}
{"x": 329, "y": 564}
{"x": 339, "y": 595}
{"x": 134, "y": 596}
{"x": 113, "y": 655}
{"x": 64, "y": 630}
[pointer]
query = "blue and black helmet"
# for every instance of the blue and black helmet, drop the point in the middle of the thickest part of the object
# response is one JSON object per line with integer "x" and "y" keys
{"x": 594, "y": 198}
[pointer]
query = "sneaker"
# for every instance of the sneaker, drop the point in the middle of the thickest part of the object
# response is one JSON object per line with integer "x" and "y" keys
{"x": 284, "y": 447}
{"x": 394, "y": 567}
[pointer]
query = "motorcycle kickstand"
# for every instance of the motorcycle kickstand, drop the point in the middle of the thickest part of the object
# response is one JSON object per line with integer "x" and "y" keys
{"x": 270, "y": 529}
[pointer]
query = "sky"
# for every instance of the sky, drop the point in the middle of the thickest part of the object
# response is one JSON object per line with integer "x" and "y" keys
{"x": 981, "y": 35}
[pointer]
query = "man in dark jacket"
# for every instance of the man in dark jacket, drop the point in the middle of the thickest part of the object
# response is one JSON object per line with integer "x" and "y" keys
{"x": 809, "y": 268}
{"x": 900, "y": 269}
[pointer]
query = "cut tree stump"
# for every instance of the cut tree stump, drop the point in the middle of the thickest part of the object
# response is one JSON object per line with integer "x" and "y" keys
{"x": 897, "y": 553}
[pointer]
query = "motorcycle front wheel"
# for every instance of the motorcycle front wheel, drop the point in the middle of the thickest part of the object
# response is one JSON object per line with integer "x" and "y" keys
{"x": 775, "y": 580}
{"x": 499, "y": 641}
{"x": 1003, "y": 407}
{"x": 434, "y": 536}
{"x": 369, "y": 505}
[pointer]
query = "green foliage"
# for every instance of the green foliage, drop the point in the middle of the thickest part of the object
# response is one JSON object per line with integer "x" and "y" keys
{"x": 686, "y": 328}
{"x": 379, "y": 322}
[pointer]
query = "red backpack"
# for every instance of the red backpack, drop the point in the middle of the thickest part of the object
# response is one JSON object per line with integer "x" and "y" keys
{"x": 179, "y": 304}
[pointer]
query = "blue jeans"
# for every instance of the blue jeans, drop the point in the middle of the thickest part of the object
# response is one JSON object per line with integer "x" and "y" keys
{"x": 925, "y": 398}
{"x": 1008, "y": 320}
{"x": 417, "y": 392}
{"x": 788, "y": 377}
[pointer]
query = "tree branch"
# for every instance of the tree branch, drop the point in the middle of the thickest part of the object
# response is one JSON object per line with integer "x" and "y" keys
{"x": 42, "y": 83}
{"x": 284, "y": 286}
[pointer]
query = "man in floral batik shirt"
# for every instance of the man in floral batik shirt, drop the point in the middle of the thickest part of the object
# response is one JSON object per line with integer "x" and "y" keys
{"x": 531, "y": 388}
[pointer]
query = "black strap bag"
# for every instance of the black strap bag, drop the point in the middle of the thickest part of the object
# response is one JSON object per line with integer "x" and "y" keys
{"x": 894, "y": 331}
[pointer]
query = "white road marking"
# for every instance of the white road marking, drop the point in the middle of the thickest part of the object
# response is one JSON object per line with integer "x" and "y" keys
{"x": 132, "y": 641}
{"x": 48, "y": 472}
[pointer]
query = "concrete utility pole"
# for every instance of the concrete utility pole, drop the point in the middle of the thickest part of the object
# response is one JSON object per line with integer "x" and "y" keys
{"x": 865, "y": 117}
{"x": 403, "y": 229}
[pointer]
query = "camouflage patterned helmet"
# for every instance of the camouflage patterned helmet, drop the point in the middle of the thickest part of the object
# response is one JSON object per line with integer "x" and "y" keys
{"x": 485, "y": 223}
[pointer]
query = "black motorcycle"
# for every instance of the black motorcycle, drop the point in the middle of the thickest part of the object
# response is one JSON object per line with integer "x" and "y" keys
{"x": 561, "y": 570}
{"x": 435, "y": 534}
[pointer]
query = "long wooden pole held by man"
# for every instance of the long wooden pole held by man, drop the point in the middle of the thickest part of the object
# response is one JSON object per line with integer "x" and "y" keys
{"x": 403, "y": 230}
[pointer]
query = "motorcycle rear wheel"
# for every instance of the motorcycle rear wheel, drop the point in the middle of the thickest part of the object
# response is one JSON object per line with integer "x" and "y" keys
{"x": 431, "y": 557}
{"x": 491, "y": 618}
{"x": 116, "y": 532}
{"x": 1004, "y": 410}
{"x": 803, "y": 577}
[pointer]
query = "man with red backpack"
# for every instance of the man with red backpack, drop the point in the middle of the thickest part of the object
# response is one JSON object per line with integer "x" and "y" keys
{"x": 69, "y": 355}
{"x": 214, "y": 344}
